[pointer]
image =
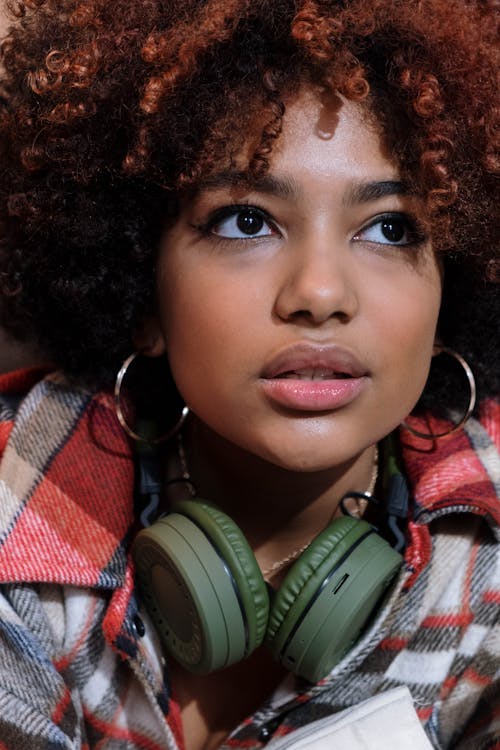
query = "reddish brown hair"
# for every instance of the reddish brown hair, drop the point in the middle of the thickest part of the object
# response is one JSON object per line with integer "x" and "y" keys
{"x": 112, "y": 109}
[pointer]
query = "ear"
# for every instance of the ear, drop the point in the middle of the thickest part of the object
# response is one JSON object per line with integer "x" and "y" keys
{"x": 438, "y": 345}
{"x": 149, "y": 339}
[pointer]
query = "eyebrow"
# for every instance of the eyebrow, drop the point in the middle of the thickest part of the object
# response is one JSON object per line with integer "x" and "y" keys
{"x": 287, "y": 187}
{"x": 372, "y": 191}
{"x": 282, "y": 187}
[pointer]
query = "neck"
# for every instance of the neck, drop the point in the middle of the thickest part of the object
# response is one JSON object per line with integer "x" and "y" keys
{"x": 277, "y": 509}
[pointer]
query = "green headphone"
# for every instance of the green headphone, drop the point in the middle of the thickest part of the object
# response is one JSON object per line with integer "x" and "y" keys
{"x": 208, "y": 600}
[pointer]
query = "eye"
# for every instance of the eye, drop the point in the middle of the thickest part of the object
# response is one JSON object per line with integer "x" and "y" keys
{"x": 240, "y": 222}
{"x": 391, "y": 229}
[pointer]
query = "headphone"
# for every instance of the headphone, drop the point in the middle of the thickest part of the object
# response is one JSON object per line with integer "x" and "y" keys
{"x": 206, "y": 595}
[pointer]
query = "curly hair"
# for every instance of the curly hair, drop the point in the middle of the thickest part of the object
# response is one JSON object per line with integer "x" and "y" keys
{"x": 111, "y": 110}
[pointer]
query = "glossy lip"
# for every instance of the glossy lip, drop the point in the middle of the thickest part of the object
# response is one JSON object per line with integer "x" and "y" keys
{"x": 314, "y": 395}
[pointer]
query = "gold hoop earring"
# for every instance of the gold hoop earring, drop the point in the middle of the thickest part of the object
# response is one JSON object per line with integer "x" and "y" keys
{"x": 121, "y": 416}
{"x": 470, "y": 407}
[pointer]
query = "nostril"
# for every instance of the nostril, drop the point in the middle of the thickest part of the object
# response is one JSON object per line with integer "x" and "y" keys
{"x": 313, "y": 297}
{"x": 311, "y": 318}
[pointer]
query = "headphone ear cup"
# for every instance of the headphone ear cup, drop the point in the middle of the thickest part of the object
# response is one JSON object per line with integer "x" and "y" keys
{"x": 328, "y": 596}
{"x": 202, "y": 586}
{"x": 237, "y": 553}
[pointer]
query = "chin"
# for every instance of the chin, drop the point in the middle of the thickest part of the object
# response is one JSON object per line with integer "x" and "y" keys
{"x": 305, "y": 461}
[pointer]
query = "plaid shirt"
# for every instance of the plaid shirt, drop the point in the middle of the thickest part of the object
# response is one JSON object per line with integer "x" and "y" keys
{"x": 77, "y": 669}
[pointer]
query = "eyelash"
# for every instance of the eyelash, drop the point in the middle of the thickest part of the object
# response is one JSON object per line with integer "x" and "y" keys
{"x": 226, "y": 212}
{"x": 412, "y": 227}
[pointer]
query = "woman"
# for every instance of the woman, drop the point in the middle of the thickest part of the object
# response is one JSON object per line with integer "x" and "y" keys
{"x": 294, "y": 204}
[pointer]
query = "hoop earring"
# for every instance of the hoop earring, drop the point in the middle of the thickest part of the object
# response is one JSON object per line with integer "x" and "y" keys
{"x": 470, "y": 407}
{"x": 121, "y": 416}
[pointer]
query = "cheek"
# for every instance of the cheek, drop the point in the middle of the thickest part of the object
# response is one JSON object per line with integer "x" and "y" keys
{"x": 409, "y": 336}
{"x": 205, "y": 321}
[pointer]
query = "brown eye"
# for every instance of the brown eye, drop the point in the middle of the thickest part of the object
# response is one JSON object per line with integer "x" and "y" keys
{"x": 250, "y": 222}
{"x": 391, "y": 229}
{"x": 241, "y": 222}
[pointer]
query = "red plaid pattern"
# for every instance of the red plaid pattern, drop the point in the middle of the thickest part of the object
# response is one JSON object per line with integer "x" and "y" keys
{"x": 74, "y": 673}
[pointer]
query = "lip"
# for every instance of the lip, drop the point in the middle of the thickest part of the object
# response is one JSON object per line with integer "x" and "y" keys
{"x": 314, "y": 356}
{"x": 349, "y": 377}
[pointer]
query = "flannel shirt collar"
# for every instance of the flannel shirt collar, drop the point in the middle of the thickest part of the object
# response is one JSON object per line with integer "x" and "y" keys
{"x": 66, "y": 489}
{"x": 66, "y": 498}
{"x": 460, "y": 473}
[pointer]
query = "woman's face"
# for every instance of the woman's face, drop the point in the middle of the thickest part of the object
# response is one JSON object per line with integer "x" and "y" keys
{"x": 299, "y": 314}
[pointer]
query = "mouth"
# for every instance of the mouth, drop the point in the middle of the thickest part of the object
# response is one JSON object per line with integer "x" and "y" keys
{"x": 313, "y": 374}
{"x": 308, "y": 377}
{"x": 305, "y": 361}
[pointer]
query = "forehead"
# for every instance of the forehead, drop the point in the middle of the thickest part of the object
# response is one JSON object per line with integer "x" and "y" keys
{"x": 324, "y": 134}
{"x": 324, "y": 141}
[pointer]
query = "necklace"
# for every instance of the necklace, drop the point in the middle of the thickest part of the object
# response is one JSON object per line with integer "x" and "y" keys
{"x": 360, "y": 502}
{"x": 185, "y": 475}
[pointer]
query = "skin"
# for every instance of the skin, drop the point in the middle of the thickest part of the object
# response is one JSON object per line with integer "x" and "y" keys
{"x": 4, "y": 20}
{"x": 319, "y": 271}
{"x": 228, "y": 306}
{"x": 15, "y": 355}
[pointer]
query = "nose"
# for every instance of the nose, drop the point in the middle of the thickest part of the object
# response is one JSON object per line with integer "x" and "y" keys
{"x": 318, "y": 283}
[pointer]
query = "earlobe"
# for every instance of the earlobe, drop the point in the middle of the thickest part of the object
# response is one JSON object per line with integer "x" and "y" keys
{"x": 437, "y": 346}
{"x": 149, "y": 339}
